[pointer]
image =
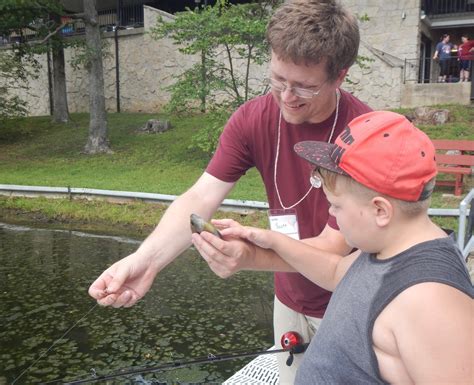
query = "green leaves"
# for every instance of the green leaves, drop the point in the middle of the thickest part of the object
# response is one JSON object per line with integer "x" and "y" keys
{"x": 229, "y": 38}
{"x": 23, "y": 19}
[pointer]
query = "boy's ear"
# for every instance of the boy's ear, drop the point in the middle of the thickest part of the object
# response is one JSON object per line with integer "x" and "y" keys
{"x": 383, "y": 211}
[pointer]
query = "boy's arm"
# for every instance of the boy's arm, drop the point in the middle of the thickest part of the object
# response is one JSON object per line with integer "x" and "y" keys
{"x": 433, "y": 327}
{"x": 271, "y": 251}
{"x": 324, "y": 268}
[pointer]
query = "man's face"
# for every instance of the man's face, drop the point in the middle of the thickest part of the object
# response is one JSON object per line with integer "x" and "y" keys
{"x": 295, "y": 109}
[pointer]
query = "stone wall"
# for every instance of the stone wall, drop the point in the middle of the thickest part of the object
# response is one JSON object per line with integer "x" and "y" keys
{"x": 35, "y": 91}
{"x": 147, "y": 66}
{"x": 390, "y": 36}
{"x": 414, "y": 95}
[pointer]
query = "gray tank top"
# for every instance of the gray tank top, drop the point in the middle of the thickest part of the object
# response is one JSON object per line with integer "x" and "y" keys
{"x": 342, "y": 352}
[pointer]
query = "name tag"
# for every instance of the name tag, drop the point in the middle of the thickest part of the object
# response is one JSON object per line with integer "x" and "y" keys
{"x": 284, "y": 221}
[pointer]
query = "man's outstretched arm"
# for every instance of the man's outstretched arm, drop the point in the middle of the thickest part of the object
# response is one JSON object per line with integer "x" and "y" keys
{"x": 129, "y": 279}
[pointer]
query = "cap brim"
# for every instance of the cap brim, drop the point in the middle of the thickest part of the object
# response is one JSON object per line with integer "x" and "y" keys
{"x": 319, "y": 154}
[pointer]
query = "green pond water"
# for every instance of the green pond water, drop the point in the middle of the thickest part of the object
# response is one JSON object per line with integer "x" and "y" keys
{"x": 189, "y": 313}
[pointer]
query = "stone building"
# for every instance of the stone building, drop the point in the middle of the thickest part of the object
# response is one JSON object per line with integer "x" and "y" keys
{"x": 398, "y": 38}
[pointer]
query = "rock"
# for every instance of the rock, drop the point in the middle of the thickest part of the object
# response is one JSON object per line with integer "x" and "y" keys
{"x": 426, "y": 115}
{"x": 156, "y": 126}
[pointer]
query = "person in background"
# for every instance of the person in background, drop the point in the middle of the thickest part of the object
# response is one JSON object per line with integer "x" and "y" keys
{"x": 313, "y": 44}
{"x": 402, "y": 308}
{"x": 465, "y": 57}
{"x": 443, "y": 54}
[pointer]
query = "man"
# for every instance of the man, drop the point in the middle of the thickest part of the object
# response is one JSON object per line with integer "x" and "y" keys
{"x": 402, "y": 309}
{"x": 465, "y": 57}
{"x": 313, "y": 44}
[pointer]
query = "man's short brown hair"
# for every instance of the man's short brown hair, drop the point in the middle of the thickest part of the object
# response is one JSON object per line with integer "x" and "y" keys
{"x": 310, "y": 31}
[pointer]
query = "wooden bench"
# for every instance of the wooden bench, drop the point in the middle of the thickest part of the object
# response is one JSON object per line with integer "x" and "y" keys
{"x": 454, "y": 157}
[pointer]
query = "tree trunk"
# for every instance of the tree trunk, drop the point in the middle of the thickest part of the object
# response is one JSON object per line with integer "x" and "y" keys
{"x": 60, "y": 108}
{"x": 98, "y": 133}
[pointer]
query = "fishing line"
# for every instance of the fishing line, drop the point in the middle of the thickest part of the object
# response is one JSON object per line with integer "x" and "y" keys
{"x": 54, "y": 343}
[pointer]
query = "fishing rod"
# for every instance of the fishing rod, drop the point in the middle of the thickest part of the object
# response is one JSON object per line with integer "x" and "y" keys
{"x": 291, "y": 342}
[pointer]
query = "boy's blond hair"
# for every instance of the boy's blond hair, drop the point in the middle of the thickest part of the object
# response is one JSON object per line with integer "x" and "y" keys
{"x": 336, "y": 183}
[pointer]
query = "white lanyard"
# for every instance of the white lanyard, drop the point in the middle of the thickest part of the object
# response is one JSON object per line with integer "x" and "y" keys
{"x": 338, "y": 97}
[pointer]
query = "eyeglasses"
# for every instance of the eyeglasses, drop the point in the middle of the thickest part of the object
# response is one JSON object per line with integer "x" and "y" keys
{"x": 298, "y": 91}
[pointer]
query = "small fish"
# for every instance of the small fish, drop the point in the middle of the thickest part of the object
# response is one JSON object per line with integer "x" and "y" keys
{"x": 198, "y": 224}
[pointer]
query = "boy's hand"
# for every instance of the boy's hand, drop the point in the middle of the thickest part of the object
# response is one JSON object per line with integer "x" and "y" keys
{"x": 225, "y": 257}
{"x": 259, "y": 237}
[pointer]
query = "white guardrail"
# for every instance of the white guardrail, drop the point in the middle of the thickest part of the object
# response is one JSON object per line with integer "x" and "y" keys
{"x": 228, "y": 204}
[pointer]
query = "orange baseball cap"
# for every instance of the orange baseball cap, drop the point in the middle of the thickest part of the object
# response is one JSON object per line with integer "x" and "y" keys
{"x": 383, "y": 151}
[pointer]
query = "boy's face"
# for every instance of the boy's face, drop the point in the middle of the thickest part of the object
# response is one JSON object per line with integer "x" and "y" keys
{"x": 295, "y": 109}
{"x": 354, "y": 216}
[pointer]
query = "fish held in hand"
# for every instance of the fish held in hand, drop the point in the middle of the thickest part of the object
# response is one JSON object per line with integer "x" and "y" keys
{"x": 198, "y": 225}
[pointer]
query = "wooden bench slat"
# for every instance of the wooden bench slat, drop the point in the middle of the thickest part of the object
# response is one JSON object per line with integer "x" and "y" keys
{"x": 457, "y": 165}
{"x": 444, "y": 144}
{"x": 454, "y": 170}
{"x": 461, "y": 160}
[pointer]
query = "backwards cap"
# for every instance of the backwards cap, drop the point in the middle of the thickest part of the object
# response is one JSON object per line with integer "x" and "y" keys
{"x": 381, "y": 150}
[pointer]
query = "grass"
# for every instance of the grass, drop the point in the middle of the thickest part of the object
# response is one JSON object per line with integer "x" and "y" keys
{"x": 34, "y": 151}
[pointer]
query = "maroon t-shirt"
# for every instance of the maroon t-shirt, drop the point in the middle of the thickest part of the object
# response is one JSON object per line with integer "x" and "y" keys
{"x": 250, "y": 140}
{"x": 464, "y": 50}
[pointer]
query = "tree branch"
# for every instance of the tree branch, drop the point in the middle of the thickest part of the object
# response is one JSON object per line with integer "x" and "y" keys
{"x": 53, "y": 33}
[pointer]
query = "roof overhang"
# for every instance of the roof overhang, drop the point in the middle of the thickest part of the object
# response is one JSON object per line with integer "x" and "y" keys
{"x": 77, "y": 5}
{"x": 449, "y": 21}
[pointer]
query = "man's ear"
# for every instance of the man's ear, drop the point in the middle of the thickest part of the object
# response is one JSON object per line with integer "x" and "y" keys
{"x": 341, "y": 76}
{"x": 383, "y": 211}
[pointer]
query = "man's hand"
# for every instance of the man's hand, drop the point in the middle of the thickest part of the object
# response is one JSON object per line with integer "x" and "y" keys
{"x": 225, "y": 257}
{"x": 125, "y": 282}
{"x": 238, "y": 249}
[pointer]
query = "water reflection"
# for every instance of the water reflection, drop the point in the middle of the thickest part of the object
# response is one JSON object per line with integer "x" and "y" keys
{"x": 189, "y": 313}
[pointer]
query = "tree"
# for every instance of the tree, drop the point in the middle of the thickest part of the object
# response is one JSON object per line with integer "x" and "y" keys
{"x": 43, "y": 18}
{"x": 225, "y": 36}
{"x": 98, "y": 132}
{"x": 13, "y": 74}
{"x": 40, "y": 18}
{"x": 60, "y": 105}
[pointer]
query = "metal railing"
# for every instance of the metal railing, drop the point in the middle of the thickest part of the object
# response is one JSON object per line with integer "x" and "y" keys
{"x": 466, "y": 224}
{"x": 434, "y": 8}
{"x": 427, "y": 71}
{"x": 126, "y": 17}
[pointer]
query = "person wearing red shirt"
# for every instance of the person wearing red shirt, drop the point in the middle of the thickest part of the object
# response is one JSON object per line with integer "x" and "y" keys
{"x": 465, "y": 57}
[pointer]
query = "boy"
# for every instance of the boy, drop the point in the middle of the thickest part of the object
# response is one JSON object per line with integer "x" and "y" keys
{"x": 402, "y": 309}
